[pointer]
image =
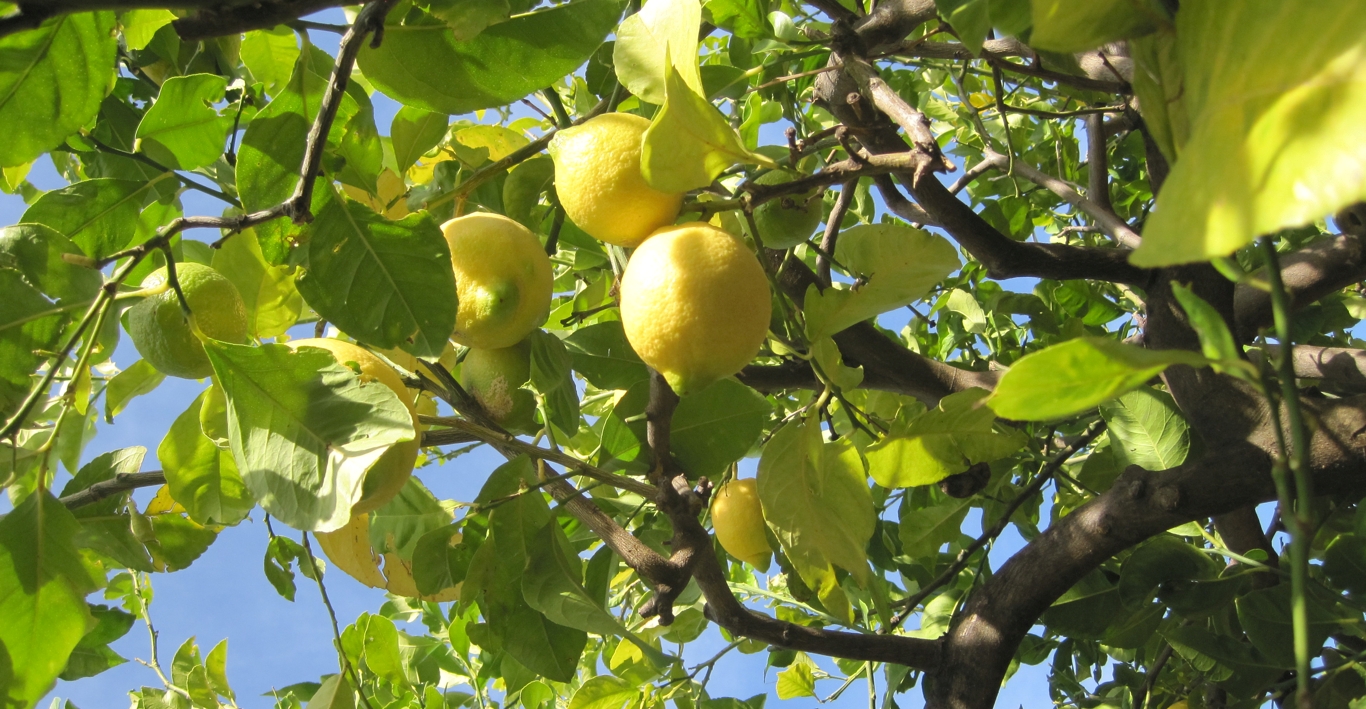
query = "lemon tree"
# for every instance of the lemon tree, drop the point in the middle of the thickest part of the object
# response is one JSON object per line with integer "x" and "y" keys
{"x": 965, "y": 353}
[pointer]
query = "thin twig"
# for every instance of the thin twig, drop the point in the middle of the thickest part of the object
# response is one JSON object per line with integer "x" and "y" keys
{"x": 1141, "y": 696}
{"x": 342, "y": 659}
{"x": 139, "y": 157}
{"x": 120, "y": 483}
{"x": 909, "y": 604}
{"x": 832, "y": 229}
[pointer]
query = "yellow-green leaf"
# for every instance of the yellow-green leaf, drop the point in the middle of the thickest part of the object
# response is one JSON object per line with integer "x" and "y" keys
{"x": 942, "y": 442}
{"x": 663, "y": 33}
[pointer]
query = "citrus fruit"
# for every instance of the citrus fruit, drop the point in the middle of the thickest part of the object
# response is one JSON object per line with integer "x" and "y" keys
{"x": 167, "y": 340}
{"x": 495, "y": 377}
{"x": 599, "y": 184}
{"x": 695, "y": 304}
{"x": 739, "y": 522}
{"x": 390, "y": 189}
{"x": 349, "y": 549}
{"x": 788, "y": 220}
{"x": 386, "y": 477}
{"x": 502, "y": 280}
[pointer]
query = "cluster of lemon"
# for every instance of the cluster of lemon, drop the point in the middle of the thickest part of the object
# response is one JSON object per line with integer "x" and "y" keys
{"x": 695, "y": 305}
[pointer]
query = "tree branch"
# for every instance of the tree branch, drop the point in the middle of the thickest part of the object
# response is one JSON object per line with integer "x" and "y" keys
{"x": 1111, "y": 225}
{"x": 1309, "y": 274}
{"x": 120, "y": 483}
{"x": 1339, "y": 369}
{"x": 237, "y": 18}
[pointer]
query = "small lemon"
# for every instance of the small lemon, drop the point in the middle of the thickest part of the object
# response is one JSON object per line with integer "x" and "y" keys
{"x": 166, "y": 339}
{"x": 349, "y": 549}
{"x": 495, "y": 377}
{"x": 788, "y": 220}
{"x": 598, "y": 180}
{"x": 386, "y": 476}
{"x": 738, "y": 519}
{"x": 503, "y": 280}
{"x": 695, "y": 304}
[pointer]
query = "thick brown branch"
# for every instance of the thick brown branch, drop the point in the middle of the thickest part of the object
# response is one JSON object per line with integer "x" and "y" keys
{"x": 1339, "y": 369}
{"x": 120, "y": 483}
{"x": 236, "y": 18}
{"x": 1098, "y": 165}
{"x": 1309, "y": 274}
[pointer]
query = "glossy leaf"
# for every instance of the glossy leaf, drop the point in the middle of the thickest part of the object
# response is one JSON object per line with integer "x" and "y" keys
{"x": 426, "y": 67}
{"x": 202, "y": 477}
{"x": 270, "y": 54}
{"x": 899, "y": 265}
{"x": 1077, "y": 375}
{"x": 273, "y": 302}
{"x": 944, "y": 441}
{"x": 182, "y": 129}
{"x": 98, "y": 215}
{"x": 716, "y": 427}
{"x": 816, "y": 499}
{"x": 1079, "y": 25}
{"x": 602, "y": 355}
{"x": 1273, "y": 90}
{"x": 40, "y": 253}
{"x": 374, "y": 278}
{"x": 29, "y": 324}
{"x": 1147, "y": 429}
{"x": 662, "y": 34}
{"x": 52, "y": 81}
{"x": 414, "y": 132}
{"x": 604, "y": 692}
{"x": 304, "y": 429}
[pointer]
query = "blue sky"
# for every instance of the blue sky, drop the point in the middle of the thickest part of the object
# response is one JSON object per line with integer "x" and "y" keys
{"x": 273, "y": 642}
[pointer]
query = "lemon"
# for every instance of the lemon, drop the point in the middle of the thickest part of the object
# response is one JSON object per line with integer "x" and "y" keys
{"x": 164, "y": 337}
{"x": 386, "y": 477}
{"x": 495, "y": 377}
{"x": 788, "y": 220}
{"x": 738, "y": 520}
{"x": 349, "y": 549}
{"x": 390, "y": 192}
{"x": 502, "y": 280}
{"x": 695, "y": 304}
{"x": 598, "y": 180}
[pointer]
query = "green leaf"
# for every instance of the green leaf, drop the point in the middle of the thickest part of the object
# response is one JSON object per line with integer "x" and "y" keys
{"x": 270, "y": 55}
{"x": 898, "y": 264}
{"x": 1078, "y": 25}
{"x": 689, "y": 143}
{"x": 138, "y": 379}
{"x": 971, "y": 20}
{"x": 1147, "y": 429}
{"x": 42, "y": 581}
{"x": 1274, "y": 90}
{"x": 360, "y": 151}
{"x": 604, "y": 692}
{"x": 1160, "y": 560}
{"x": 217, "y": 665}
{"x": 105, "y": 466}
{"x": 1086, "y": 610}
{"x": 923, "y": 531}
{"x": 335, "y": 692}
{"x": 281, "y": 554}
{"x": 273, "y": 302}
{"x": 623, "y": 444}
{"x": 797, "y": 680}
{"x": 523, "y": 188}
{"x": 179, "y": 541}
{"x": 1265, "y": 615}
{"x": 552, "y": 378}
{"x": 1079, "y": 374}
{"x": 426, "y": 67}
{"x": 381, "y": 650}
{"x": 742, "y": 18}
{"x": 816, "y": 499}
{"x": 1159, "y": 84}
{"x": 467, "y": 18}
{"x": 374, "y": 278}
{"x": 946, "y": 440}
{"x": 29, "y": 324}
{"x": 92, "y": 654}
{"x": 52, "y": 82}
{"x": 717, "y": 426}
{"x": 1216, "y": 342}
{"x": 182, "y": 129}
{"x": 304, "y": 429}
{"x": 440, "y": 561}
{"x": 99, "y": 215}
{"x": 40, "y": 252}
{"x": 602, "y": 355}
{"x": 1344, "y": 561}
{"x": 414, "y": 132}
{"x": 401, "y": 522}
{"x": 662, "y": 34}
{"x": 202, "y": 477}
{"x": 139, "y": 26}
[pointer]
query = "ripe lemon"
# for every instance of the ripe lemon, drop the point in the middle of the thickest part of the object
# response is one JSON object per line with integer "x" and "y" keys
{"x": 495, "y": 377}
{"x": 788, "y": 220}
{"x": 739, "y": 522}
{"x": 386, "y": 477}
{"x": 695, "y": 304}
{"x": 349, "y": 549}
{"x": 503, "y": 280}
{"x": 167, "y": 340}
{"x": 598, "y": 180}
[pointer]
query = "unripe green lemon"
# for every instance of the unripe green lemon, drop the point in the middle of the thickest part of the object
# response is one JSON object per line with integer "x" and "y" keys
{"x": 788, "y": 220}
{"x": 503, "y": 280}
{"x": 387, "y": 475}
{"x": 738, "y": 519}
{"x": 695, "y": 304}
{"x": 599, "y": 183}
{"x": 166, "y": 339}
{"x": 495, "y": 378}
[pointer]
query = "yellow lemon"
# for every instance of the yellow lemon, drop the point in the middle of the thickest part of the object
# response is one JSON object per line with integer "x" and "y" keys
{"x": 503, "y": 280}
{"x": 167, "y": 340}
{"x": 598, "y": 180}
{"x": 390, "y": 192}
{"x": 739, "y": 522}
{"x": 349, "y": 549}
{"x": 695, "y": 304}
{"x": 495, "y": 378}
{"x": 388, "y": 474}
